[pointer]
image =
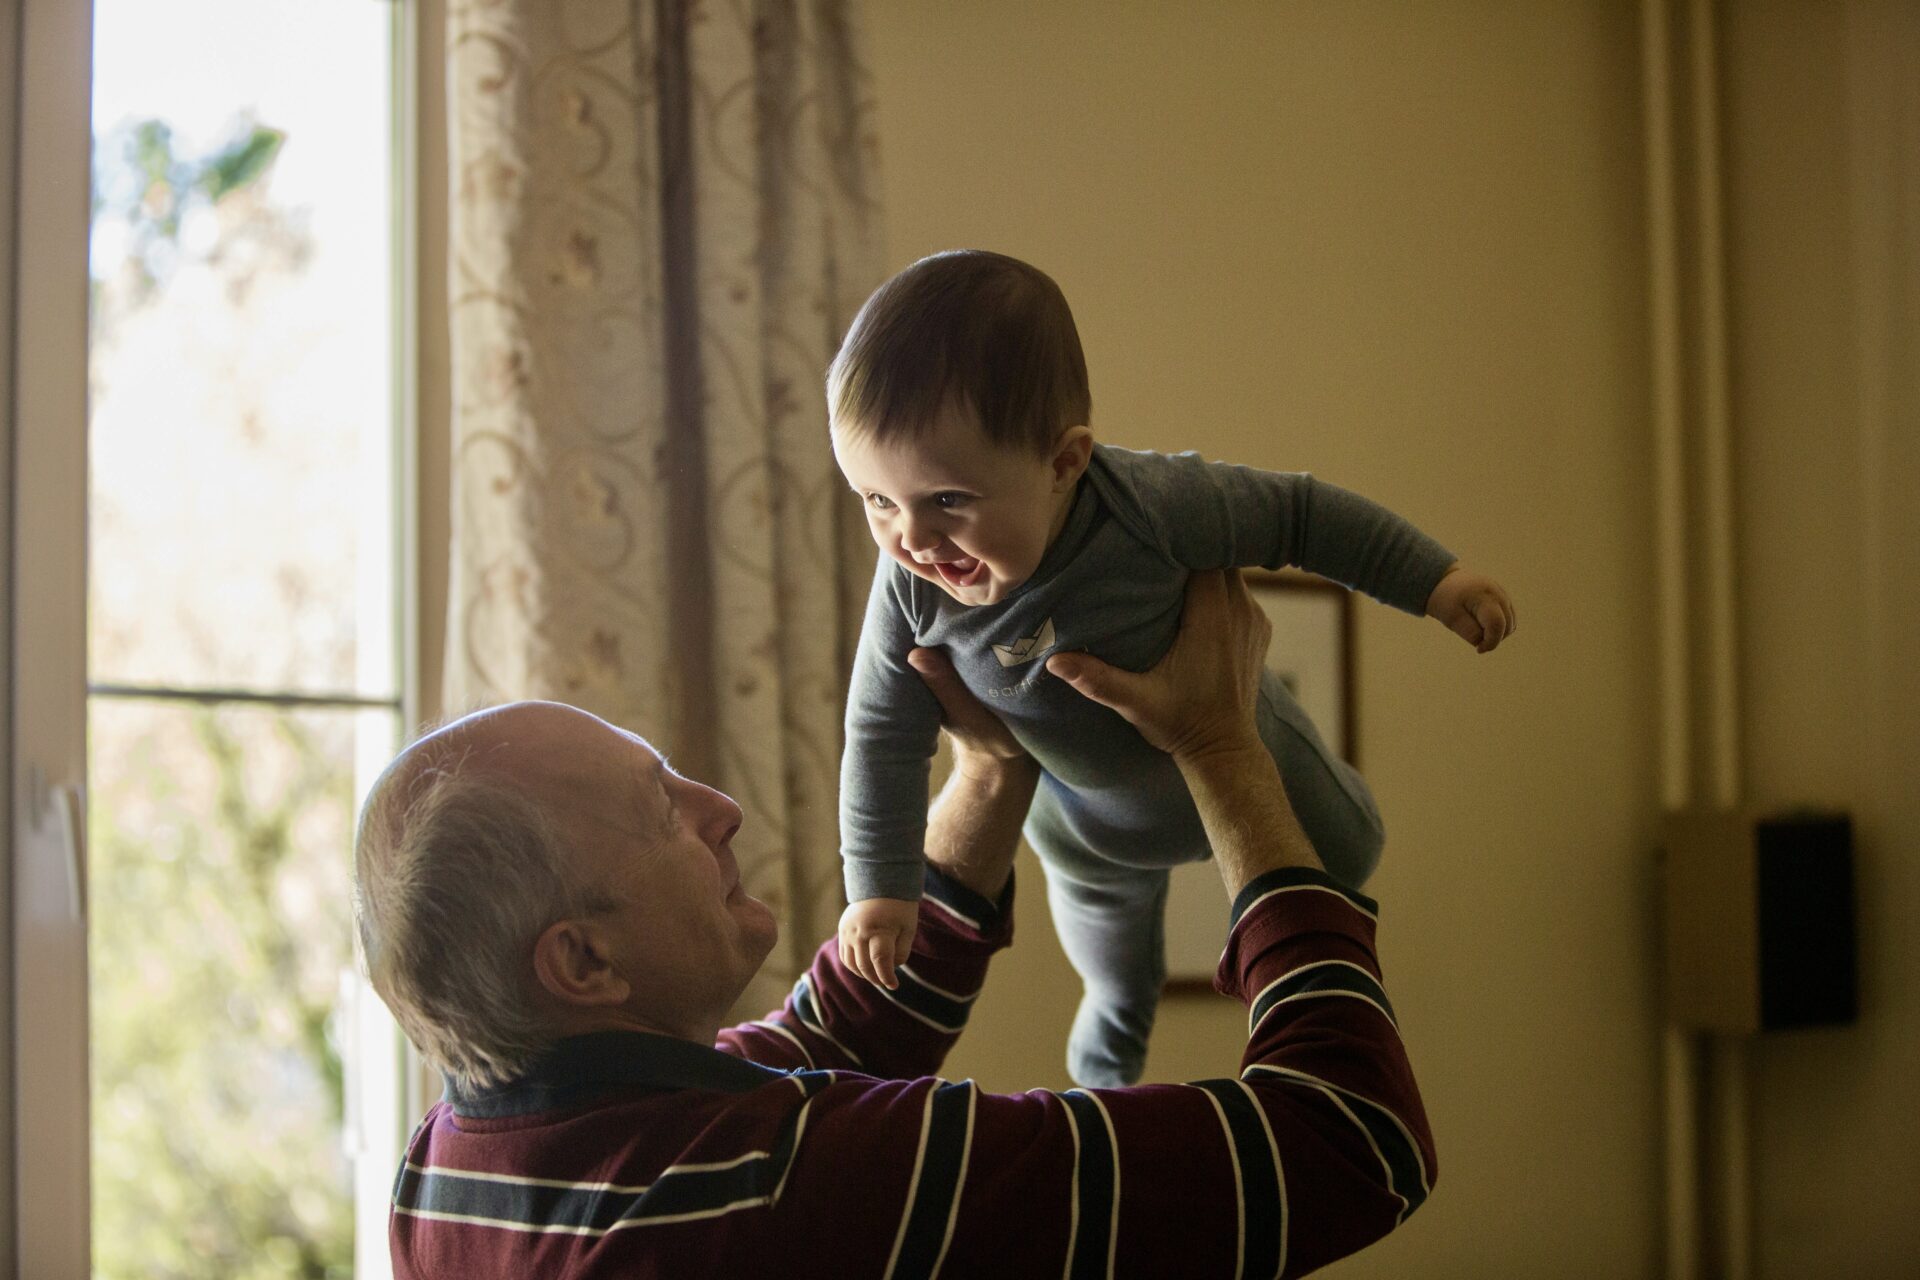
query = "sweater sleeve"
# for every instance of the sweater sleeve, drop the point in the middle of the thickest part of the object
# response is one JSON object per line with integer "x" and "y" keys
{"x": 893, "y": 727}
{"x": 1316, "y": 1148}
{"x": 1216, "y": 515}
{"x": 836, "y": 1020}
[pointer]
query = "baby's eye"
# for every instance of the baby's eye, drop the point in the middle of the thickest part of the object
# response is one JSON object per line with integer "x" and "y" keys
{"x": 950, "y": 500}
{"x": 880, "y": 501}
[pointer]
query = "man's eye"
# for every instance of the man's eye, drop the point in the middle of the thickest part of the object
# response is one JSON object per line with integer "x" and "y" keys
{"x": 950, "y": 501}
{"x": 880, "y": 501}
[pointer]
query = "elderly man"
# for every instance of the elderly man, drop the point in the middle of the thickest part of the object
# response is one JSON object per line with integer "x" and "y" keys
{"x": 556, "y": 918}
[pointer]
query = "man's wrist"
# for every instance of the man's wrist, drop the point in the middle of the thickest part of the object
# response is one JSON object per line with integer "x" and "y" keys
{"x": 994, "y": 773}
{"x": 1243, "y": 805}
{"x": 973, "y": 828}
{"x": 1230, "y": 751}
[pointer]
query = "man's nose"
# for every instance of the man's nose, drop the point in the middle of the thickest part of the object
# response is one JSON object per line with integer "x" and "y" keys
{"x": 720, "y": 816}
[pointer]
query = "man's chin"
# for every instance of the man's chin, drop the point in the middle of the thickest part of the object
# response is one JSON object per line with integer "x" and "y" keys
{"x": 757, "y": 922}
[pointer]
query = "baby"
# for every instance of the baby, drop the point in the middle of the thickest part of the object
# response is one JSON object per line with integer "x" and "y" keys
{"x": 959, "y": 410}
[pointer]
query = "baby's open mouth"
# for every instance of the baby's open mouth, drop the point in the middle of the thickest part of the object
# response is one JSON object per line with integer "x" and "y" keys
{"x": 963, "y": 572}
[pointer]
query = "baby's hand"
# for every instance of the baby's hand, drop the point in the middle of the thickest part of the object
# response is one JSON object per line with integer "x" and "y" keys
{"x": 1477, "y": 608}
{"x": 875, "y": 935}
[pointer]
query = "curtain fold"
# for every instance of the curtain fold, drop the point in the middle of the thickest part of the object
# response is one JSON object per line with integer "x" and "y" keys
{"x": 664, "y": 216}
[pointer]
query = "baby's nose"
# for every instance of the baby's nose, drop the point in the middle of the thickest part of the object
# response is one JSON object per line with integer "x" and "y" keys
{"x": 918, "y": 535}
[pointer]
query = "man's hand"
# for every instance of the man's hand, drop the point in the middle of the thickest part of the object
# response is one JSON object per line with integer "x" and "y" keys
{"x": 1476, "y": 607}
{"x": 1200, "y": 695}
{"x": 1197, "y": 704}
{"x": 876, "y": 934}
{"x": 979, "y": 736}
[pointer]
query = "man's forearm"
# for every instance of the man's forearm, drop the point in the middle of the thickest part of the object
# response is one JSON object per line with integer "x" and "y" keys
{"x": 973, "y": 827}
{"x": 1243, "y": 806}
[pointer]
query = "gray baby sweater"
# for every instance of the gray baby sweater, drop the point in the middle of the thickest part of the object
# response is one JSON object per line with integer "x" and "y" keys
{"x": 1112, "y": 584}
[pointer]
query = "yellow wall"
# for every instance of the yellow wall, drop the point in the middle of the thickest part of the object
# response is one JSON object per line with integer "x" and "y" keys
{"x": 1403, "y": 246}
{"x": 1824, "y": 261}
{"x": 1399, "y": 246}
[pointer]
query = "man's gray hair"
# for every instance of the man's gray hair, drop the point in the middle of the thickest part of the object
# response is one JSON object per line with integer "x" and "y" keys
{"x": 456, "y": 873}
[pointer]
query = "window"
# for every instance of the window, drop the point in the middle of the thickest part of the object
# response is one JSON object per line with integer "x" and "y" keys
{"x": 245, "y": 628}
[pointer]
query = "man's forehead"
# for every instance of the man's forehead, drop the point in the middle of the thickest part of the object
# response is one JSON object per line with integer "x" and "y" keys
{"x": 593, "y": 771}
{"x": 546, "y": 741}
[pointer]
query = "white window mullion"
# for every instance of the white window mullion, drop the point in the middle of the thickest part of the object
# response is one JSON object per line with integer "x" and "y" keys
{"x": 49, "y": 505}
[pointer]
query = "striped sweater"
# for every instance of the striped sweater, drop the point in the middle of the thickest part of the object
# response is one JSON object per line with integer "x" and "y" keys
{"x": 820, "y": 1142}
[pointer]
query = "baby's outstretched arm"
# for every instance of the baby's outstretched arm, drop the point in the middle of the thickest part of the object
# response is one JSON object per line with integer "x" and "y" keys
{"x": 1475, "y": 607}
{"x": 876, "y": 934}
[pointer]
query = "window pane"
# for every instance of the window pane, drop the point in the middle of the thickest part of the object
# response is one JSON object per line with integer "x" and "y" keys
{"x": 242, "y": 340}
{"x": 220, "y": 933}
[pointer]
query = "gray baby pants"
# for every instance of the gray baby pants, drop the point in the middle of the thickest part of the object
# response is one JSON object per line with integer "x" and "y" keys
{"x": 1107, "y": 876}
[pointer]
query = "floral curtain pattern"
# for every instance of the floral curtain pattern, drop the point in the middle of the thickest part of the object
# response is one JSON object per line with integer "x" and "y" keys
{"x": 664, "y": 217}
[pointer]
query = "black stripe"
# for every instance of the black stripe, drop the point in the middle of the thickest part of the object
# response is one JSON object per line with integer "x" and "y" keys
{"x": 959, "y": 898}
{"x": 525, "y": 1204}
{"x": 1402, "y": 1157}
{"x": 413, "y": 1144}
{"x": 803, "y": 1004}
{"x": 681, "y": 1191}
{"x": 1403, "y": 1161}
{"x": 675, "y": 1192}
{"x": 939, "y": 1181}
{"x": 1260, "y": 1205}
{"x": 1324, "y": 976}
{"x": 1286, "y": 877}
{"x": 1096, "y": 1178}
{"x": 924, "y": 1000}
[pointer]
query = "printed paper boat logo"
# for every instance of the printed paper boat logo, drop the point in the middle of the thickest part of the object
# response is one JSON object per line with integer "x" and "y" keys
{"x": 1027, "y": 648}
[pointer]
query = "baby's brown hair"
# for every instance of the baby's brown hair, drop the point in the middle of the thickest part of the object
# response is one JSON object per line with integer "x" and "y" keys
{"x": 978, "y": 329}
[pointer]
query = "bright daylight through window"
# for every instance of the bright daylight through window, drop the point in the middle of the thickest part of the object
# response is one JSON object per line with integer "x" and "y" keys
{"x": 244, "y": 626}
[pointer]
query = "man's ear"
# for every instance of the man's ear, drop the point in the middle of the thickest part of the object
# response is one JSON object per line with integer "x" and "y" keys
{"x": 574, "y": 965}
{"x": 1072, "y": 451}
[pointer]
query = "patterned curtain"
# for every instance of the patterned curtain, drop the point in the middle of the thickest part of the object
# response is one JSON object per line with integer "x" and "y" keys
{"x": 664, "y": 217}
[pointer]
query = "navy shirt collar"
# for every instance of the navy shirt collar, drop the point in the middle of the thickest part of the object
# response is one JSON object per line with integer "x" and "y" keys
{"x": 580, "y": 1068}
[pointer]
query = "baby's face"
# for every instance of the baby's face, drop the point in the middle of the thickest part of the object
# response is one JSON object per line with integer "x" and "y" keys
{"x": 968, "y": 515}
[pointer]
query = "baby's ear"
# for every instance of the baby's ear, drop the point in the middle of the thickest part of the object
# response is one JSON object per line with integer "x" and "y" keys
{"x": 1072, "y": 451}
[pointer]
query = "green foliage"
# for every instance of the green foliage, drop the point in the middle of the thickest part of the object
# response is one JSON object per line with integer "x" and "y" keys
{"x": 219, "y": 935}
{"x": 219, "y": 838}
{"x": 240, "y": 164}
{"x": 141, "y": 180}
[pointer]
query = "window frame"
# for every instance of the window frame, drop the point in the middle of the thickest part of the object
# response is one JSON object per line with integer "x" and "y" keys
{"x": 46, "y": 87}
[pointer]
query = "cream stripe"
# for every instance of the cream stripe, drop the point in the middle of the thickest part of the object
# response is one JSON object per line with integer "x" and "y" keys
{"x": 964, "y": 919}
{"x": 819, "y": 1028}
{"x": 1319, "y": 995}
{"x": 1293, "y": 973}
{"x": 1386, "y": 1170}
{"x": 1301, "y": 1077}
{"x": 799, "y": 1130}
{"x": 776, "y": 1027}
{"x": 1239, "y": 1187}
{"x": 695, "y": 1215}
{"x": 939, "y": 991}
{"x": 918, "y": 1016}
{"x": 621, "y": 1188}
{"x": 434, "y": 1215}
{"x": 1308, "y": 888}
{"x": 1073, "y": 1191}
{"x": 913, "y": 1183}
{"x": 1279, "y": 1173}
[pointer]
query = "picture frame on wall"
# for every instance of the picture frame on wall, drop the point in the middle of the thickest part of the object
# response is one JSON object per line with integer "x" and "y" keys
{"x": 1312, "y": 651}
